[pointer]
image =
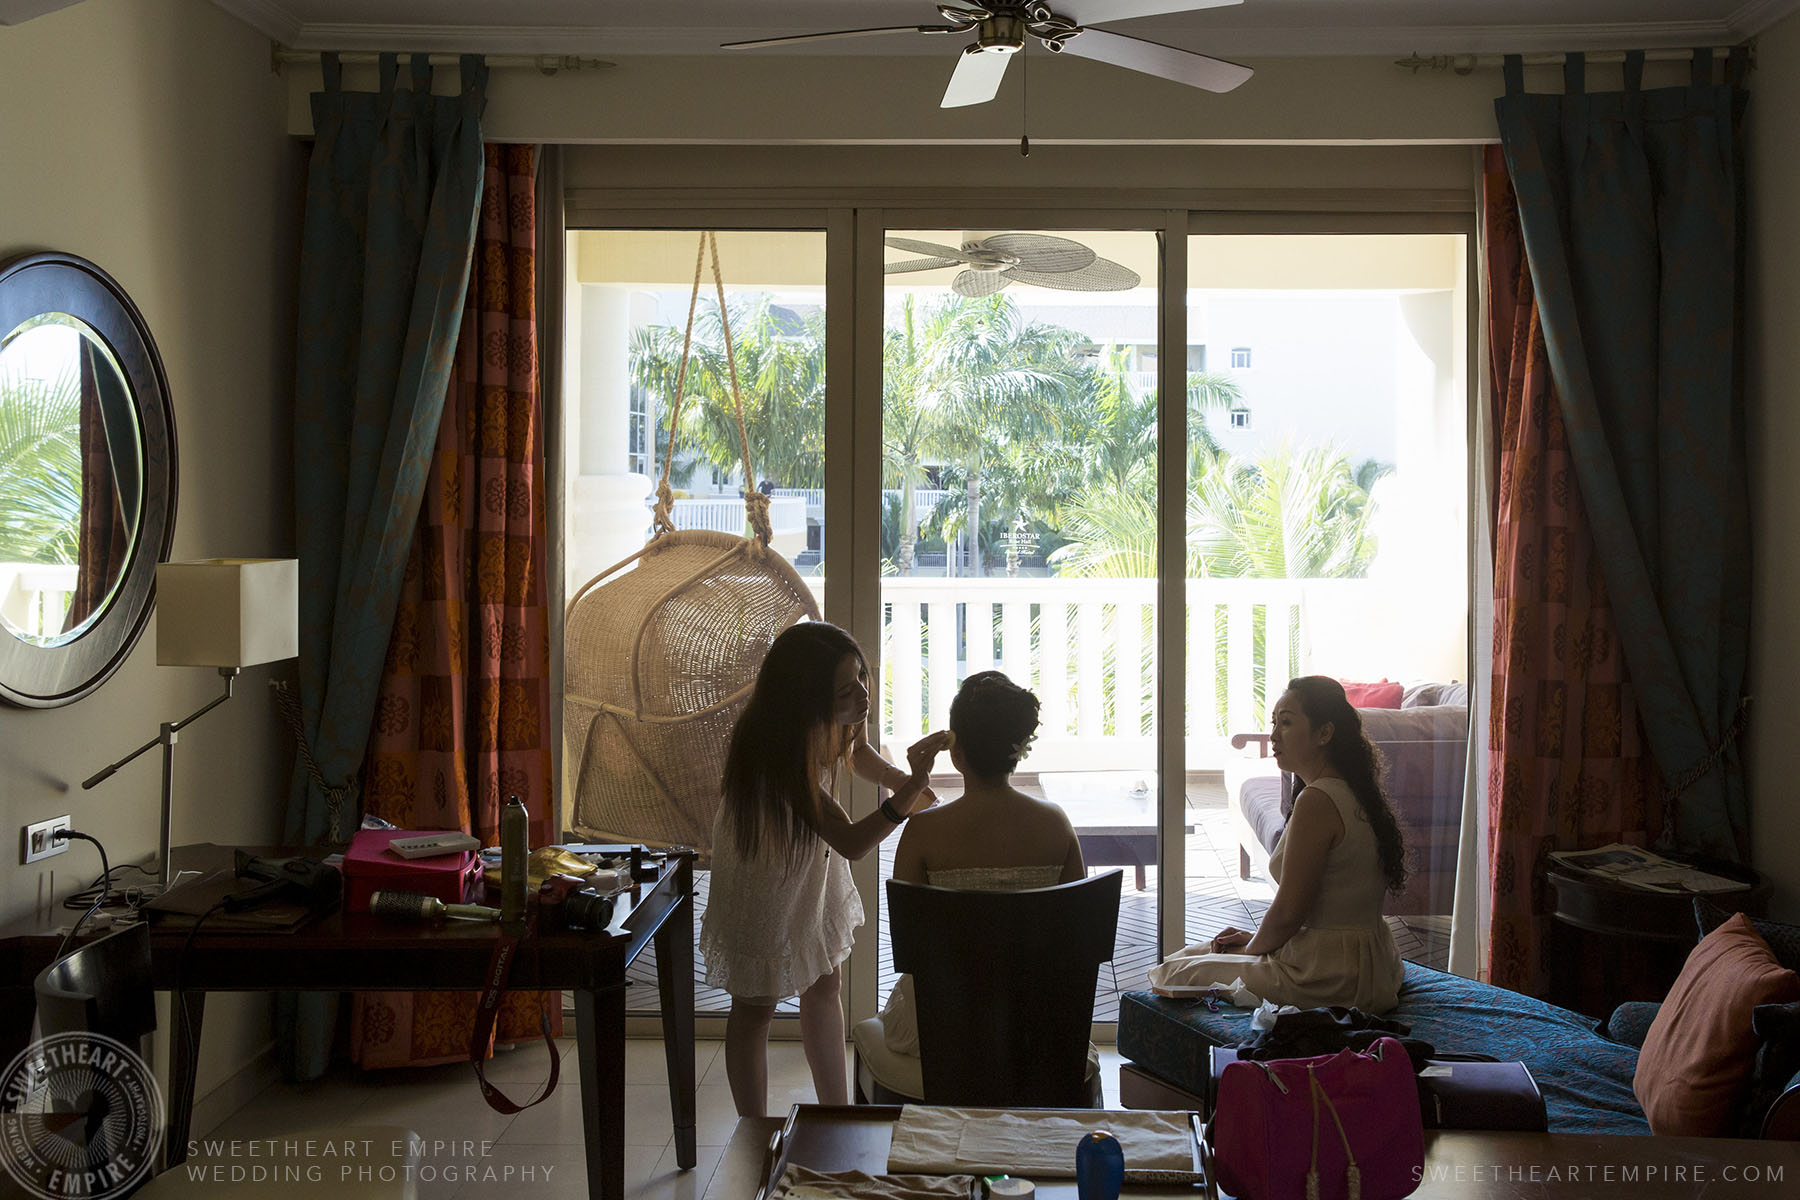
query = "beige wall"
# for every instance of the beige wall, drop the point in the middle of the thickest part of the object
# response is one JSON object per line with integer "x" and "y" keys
{"x": 146, "y": 135}
{"x": 1774, "y": 419}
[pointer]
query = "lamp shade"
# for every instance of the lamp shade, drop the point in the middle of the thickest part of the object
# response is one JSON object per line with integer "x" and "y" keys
{"x": 227, "y": 612}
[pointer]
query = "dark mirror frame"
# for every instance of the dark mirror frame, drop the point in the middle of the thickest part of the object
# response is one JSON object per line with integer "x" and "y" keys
{"x": 47, "y": 676}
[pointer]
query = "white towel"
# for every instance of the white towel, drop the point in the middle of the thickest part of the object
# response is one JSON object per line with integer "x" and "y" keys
{"x": 1158, "y": 1146}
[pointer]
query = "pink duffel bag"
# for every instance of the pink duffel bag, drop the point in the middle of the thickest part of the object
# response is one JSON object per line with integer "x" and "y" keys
{"x": 1341, "y": 1126}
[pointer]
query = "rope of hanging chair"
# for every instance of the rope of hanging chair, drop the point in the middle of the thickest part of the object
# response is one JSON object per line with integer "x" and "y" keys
{"x": 756, "y": 505}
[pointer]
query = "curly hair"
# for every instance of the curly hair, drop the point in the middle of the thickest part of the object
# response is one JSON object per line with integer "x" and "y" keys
{"x": 994, "y": 720}
{"x": 1352, "y": 755}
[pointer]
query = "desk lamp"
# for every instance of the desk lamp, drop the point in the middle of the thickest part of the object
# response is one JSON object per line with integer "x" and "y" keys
{"x": 228, "y": 613}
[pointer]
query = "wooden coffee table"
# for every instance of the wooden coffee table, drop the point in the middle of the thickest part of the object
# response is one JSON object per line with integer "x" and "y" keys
{"x": 1115, "y": 823}
{"x": 1459, "y": 1164}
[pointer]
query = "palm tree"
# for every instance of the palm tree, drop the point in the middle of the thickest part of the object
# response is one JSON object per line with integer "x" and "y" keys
{"x": 40, "y": 469}
{"x": 906, "y": 420}
{"x": 995, "y": 379}
{"x": 1292, "y": 513}
{"x": 781, "y": 375}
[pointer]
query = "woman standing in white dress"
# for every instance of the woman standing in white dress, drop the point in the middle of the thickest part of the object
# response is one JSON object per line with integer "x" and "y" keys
{"x": 782, "y": 909}
{"x": 1323, "y": 940}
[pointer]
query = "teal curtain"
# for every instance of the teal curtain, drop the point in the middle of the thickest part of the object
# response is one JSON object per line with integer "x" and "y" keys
{"x": 392, "y": 196}
{"x": 1631, "y": 211}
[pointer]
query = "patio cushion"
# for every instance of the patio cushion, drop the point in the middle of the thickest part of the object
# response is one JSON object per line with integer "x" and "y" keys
{"x": 900, "y": 1073}
{"x": 1585, "y": 1078}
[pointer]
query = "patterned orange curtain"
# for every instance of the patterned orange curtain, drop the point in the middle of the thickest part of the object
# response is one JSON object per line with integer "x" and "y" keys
{"x": 105, "y": 541}
{"x": 462, "y": 719}
{"x": 1568, "y": 767}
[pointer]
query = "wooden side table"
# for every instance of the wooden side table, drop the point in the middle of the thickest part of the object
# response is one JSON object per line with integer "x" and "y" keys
{"x": 1614, "y": 942}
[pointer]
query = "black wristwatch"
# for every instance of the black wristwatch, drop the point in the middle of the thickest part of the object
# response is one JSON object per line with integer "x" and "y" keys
{"x": 891, "y": 813}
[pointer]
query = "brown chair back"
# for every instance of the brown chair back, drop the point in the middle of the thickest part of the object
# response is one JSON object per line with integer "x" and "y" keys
{"x": 1004, "y": 987}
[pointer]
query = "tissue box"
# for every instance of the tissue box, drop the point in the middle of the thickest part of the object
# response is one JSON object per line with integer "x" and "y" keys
{"x": 370, "y": 867}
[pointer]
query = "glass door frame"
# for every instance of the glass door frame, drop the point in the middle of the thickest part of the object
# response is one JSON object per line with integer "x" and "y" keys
{"x": 855, "y": 221}
{"x": 862, "y": 979}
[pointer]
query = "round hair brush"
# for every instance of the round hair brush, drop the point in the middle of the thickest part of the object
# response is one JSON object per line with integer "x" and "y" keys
{"x": 419, "y": 906}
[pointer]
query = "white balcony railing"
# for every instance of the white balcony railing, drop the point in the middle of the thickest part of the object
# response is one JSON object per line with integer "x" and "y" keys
{"x": 924, "y": 500}
{"x": 725, "y": 514}
{"x": 1087, "y": 648}
{"x": 35, "y": 597}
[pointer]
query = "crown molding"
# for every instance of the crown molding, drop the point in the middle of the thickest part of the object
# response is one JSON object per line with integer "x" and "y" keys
{"x": 267, "y": 17}
{"x": 273, "y": 19}
{"x": 1758, "y": 15}
{"x": 1364, "y": 41}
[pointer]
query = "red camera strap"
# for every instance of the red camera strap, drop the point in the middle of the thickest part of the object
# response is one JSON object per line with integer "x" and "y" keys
{"x": 488, "y": 1011}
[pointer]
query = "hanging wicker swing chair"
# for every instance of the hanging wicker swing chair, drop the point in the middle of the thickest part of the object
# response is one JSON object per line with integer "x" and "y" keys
{"x": 663, "y": 649}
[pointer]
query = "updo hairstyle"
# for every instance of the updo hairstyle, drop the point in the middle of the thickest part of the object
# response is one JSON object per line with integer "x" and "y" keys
{"x": 994, "y": 720}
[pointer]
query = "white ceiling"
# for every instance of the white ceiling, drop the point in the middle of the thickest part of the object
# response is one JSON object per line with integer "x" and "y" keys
{"x": 1254, "y": 29}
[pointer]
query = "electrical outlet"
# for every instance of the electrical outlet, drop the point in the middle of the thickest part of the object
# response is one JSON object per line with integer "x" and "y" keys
{"x": 36, "y": 842}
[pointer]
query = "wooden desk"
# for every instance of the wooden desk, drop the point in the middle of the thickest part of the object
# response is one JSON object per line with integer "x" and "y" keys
{"x": 348, "y": 952}
{"x": 1614, "y": 942}
{"x": 1459, "y": 1164}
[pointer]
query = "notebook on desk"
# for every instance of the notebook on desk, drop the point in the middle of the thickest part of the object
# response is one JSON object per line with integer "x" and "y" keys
{"x": 190, "y": 900}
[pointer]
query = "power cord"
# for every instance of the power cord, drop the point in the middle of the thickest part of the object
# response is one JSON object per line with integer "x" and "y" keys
{"x": 62, "y": 835}
{"x": 178, "y": 1003}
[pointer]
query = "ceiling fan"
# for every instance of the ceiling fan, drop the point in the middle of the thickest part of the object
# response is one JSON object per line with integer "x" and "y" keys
{"x": 1001, "y": 27}
{"x": 993, "y": 261}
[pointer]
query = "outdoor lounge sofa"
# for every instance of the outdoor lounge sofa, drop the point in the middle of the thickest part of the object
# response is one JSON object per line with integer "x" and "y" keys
{"x": 1424, "y": 750}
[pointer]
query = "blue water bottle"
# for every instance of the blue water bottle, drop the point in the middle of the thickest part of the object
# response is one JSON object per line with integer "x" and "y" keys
{"x": 1099, "y": 1167}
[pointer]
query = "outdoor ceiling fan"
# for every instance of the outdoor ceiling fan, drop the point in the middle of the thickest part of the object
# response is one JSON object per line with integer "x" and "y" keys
{"x": 995, "y": 260}
{"x": 1000, "y": 30}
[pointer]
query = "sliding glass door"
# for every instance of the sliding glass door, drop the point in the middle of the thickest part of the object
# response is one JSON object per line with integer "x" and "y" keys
{"x": 1151, "y": 505}
{"x": 1328, "y": 534}
{"x": 1019, "y": 493}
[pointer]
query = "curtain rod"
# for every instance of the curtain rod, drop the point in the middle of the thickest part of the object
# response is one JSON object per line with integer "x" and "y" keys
{"x": 1465, "y": 64}
{"x": 544, "y": 64}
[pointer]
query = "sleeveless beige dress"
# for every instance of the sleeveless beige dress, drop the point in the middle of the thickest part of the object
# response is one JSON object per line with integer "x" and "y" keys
{"x": 1343, "y": 954}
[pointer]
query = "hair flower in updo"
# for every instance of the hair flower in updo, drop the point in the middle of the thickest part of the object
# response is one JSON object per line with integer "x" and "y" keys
{"x": 1022, "y": 747}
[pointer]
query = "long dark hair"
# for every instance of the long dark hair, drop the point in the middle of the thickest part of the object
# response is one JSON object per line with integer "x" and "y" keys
{"x": 1352, "y": 755}
{"x": 769, "y": 785}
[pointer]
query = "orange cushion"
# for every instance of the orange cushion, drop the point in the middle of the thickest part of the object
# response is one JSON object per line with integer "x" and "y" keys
{"x": 1696, "y": 1059}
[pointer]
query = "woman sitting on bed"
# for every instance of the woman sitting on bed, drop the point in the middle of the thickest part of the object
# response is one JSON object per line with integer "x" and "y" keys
{"x": 994, "y": 838}
{"x": 1322, "y": 941}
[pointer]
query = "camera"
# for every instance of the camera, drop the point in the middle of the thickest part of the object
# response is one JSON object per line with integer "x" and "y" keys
{"x": 566, "y": 902}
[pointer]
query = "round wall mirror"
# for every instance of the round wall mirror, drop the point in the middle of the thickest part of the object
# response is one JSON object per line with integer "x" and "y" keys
{"x": 87, "y": 477}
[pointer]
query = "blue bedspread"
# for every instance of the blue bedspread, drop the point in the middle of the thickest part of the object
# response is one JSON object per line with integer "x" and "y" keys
{"x": 1585, "y": 1078}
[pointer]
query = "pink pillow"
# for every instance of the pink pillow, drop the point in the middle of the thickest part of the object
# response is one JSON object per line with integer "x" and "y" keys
{"x": 1380, "y": 694}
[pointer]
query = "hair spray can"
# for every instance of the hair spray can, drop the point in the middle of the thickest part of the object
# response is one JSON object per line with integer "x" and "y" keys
{"x": 514, "y": 848}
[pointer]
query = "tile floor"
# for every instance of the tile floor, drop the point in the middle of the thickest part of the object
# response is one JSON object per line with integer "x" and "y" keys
{"x": 442, "y": 1105}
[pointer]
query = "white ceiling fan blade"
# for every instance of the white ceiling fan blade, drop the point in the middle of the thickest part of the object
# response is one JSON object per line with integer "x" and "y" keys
{"x": 930, "y": 248}
{"x": 976, "y": 79}
{"x": 790, "y": 39}
{"x": 1098, "y": 12}
{"x": 918, "y": 264}
{"x": 1040, "y": 251}
{"x": 1104, "y": 275}
{"x": 1154, "y": 58}
{"x": 980, "y": 283}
